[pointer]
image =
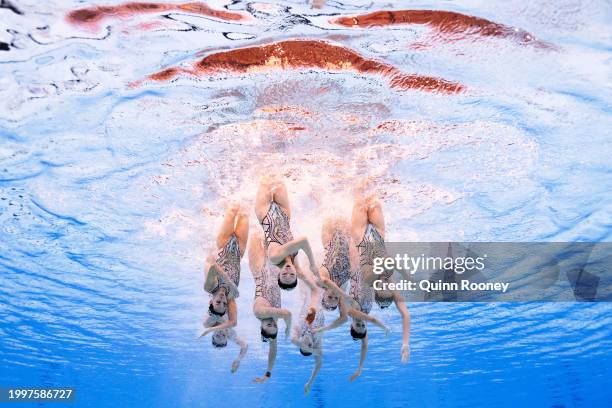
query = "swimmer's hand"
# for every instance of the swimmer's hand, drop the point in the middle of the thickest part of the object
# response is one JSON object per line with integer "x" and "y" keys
{"x": 355, "y": 375}
{"x": 311, "y": 315}
{"x": 204, "y": 333}
{"x": 307, "y": 388}
{"x": 387, "y": 331}
{"x": 261, "y": 379}
{"x": 318, "y": 330}
{"x": 405, "y": 353}
{"x": 286, "y": 315}
{"x": 235, "y": 365}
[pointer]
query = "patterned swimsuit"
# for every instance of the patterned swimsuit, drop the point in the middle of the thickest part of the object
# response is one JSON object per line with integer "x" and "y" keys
{"x": 360, "y": 294}
{"x": 276, "y": 226}
{"x": 266, "y": 285}
{"x": 304, "y": 329}
{"x": 337, "y": 260}
{"x": 372, "y": 246}
{"x": 228, "y": 258}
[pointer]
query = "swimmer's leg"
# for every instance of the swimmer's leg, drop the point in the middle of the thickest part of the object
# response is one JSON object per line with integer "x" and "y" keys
{"x": 271, "y": 189}
{"x": 281, "y": 197}
{"x": 375, "y": 215}
{"x": 263, "y": 198}
{"x": 359, "y": 219}
{"x": 227, "y": 226}
{"x": 241, "y": 230}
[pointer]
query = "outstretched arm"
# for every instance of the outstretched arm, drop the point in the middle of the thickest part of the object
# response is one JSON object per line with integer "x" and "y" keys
{"x": 342, "y": 318}
{"x": 213, "y": 271}
{"x": 232, "y": 320}
{"x": 360, "y": 315}
{"x": 362, "y": 356}
{"x": 266, "y": 312}
{"x": 401, "y": 306}
{"x": 243, "y": 350}
{"x": 314, "y": 373}
{"x": 308, "y": 279}
{"x": 271, "y": 360}
{"x": 279, "y": 252}
{"x": 330, "y": 284}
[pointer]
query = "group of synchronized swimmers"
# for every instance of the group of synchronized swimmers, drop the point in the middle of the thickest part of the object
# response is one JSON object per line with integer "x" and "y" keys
{"x": 349, "y": 253}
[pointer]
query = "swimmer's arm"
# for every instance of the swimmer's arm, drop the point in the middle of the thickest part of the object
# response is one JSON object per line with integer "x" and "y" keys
{"x": 309, "y": 281}
{"x": 401, "y": 306}
{"x": 266, "y": 312}
{"x": 271, "y": 360}
{"x": 296, "y": 341}
{"x": 243, "y": 350}
{"x": 362, "y": 356}
{"x": 278, "y": 253}
{"x": 328, "y": 283}
{"x": 229, "y": 323}
{"x": 314, "y": 373}
{"x": 338, "y": 322}
{"x": 212, "y": 271}
{"x": 360, "y": 315}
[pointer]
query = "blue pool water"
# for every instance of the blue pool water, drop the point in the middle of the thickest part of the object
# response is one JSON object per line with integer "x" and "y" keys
{"x": 110, "y": 196}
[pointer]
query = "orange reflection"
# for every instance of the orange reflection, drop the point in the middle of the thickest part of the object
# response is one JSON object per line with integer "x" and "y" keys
{"x": 91, "y": 16}
{"x": 300, "y": 54}
{"x": 447, "y": 22}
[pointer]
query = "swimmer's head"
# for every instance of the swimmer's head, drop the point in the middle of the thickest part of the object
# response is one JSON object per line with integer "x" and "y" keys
{"x": 219, "y": 339}
{"x": 218, "y": 303}
{"x": 384, "y": 298}
{"x": 358, "y": 329}
{"x": 287, "y": 275}
{"x": 330, "y": 300}
{"x": 307, "y": 344}
{"x": 305, "y": 353}
{"x": 269, "y": 329}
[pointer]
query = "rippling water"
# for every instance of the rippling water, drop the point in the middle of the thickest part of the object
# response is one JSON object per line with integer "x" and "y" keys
{"x": 112, "y": 186}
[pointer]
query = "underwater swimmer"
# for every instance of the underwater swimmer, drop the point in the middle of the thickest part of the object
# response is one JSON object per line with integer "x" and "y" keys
{"x": 221, "y": 336}
{"x": 368, "y": 228}
{"x": 306, "y": 338}
{"x": 267, "y": 303}
{"x": 222, "y": 271}
{"x": 273, "y": 212}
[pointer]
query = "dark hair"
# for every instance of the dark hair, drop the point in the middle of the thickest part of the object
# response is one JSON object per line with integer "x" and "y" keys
{"x": 327, "y": 306}
{"x": 212, "y": 311}
{"x": 356, "y": 335}
{"x": 218, "y": 345}
{"x": 265, "y": 336}
{"x": 383, "y": 302}
{"x": 288, "y": 286}
{"x": 305, "y": 353}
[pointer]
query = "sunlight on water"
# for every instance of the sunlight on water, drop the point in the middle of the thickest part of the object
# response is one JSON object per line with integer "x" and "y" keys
{"x": 126, "y": 130}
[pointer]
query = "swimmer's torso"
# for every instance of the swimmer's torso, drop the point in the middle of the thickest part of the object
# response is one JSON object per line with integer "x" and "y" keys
{"x": 337, "y": 259}
{"x": 372, "y": 246}
{"x": 266, "y": 285}
{"x": 361, "y": 294}
{"x": 228, "y": 258}
{"x": 276, "y": 226}
{"x": 304, "y": 328}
